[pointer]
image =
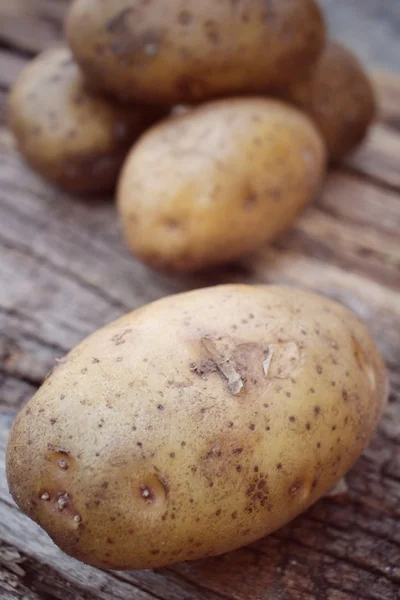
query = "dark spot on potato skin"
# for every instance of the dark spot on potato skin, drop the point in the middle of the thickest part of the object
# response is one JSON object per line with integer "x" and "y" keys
{"x": 237, "y": 451}
{"x": 212, "y": 33}
{"x": 317, "y": 410}
{"x": 319, "y": 369}
{"x": 191, "y": 87}
{"x": 185, "y": 17}
{"x": 250, "y": 201}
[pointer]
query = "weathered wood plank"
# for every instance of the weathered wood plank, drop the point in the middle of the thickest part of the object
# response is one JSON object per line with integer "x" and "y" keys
{"x": 387, "y": 87}
{"x": 378, "y": 158}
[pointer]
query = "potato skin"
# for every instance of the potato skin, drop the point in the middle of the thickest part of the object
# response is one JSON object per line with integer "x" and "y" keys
{"x": 196, "y": 425}
{"x": 71, "y": 137}
{"x": 169, "y": 51}
{"x": 339, "y": 97}
{"x": 217, "y": 182}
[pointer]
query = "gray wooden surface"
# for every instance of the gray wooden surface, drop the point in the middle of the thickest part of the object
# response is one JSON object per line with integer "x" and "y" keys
{"x": 370, "y": 27}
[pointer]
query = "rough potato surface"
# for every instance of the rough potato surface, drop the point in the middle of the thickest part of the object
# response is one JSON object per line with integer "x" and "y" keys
{"x": 218, "y": 182}
{"x": 196, "y": 425}
{"x": 71, "y": 137}
{"x": 339, "y": 97}
{"x": 172, "y": 51}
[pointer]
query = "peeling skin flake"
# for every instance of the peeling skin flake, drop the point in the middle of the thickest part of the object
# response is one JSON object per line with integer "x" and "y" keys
{"x": 223, "y": 364}
{"x": 267, "y": 361}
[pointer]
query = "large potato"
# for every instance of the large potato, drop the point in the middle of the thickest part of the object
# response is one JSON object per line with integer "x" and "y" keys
{"x": 71, "y": 137}
{"x": 339, "y": 97}
{"x": 196, "y": 425}
{"x": 174, "y": 51}
{"x": 217, "y": 182}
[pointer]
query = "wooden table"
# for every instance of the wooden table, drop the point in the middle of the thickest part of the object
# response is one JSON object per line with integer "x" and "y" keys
{"x": 64, "y": 272}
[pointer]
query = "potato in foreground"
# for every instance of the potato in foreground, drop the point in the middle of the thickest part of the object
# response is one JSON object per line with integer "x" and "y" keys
{"x": 71, "y": 137}
{"x": 218, "y": 182}
{"x": 167, "y": 51}
{"x": 339, "y": 97}
{"x": 196, "y": 425}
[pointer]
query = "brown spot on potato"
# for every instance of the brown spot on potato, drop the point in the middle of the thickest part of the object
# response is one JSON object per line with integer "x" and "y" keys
{"x": 184, "y": 17}
{"x": 250, "y": 201}
{"x": 191, "y": 87}
{"x": 319, "y": 369}
{"x": 119, "y": 338}
{"x": 212, "y": 33}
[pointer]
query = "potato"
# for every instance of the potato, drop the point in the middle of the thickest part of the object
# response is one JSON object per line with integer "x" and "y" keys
{"x": 170, "y": 51}
{"x": 217, "y": 182}
{"x": 196, "y": 425}
{"x": 339, "y": 97}
{"x": 74, "y": 139}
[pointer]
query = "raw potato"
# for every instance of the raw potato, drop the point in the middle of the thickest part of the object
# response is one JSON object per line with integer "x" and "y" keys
{"x": 217, "y": 182}
{"x": 196, "y": 425}
{"x": 339, "y": 97}
{"x": 76, "y": 140}
{"x": 173, "y": 51}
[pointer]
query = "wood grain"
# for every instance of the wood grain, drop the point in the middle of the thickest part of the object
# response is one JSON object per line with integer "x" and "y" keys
{"x": 64, "y": 272}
